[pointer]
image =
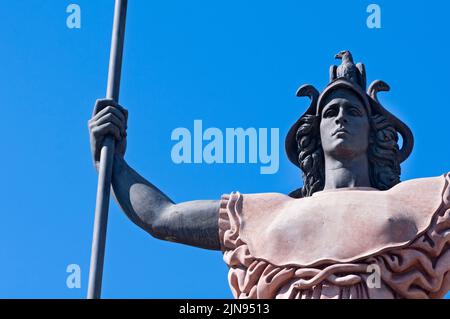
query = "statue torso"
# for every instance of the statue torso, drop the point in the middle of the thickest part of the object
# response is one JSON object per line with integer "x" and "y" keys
{"x": 335, "y": 227}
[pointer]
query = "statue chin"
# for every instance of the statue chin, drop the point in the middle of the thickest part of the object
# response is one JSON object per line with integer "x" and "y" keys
{"x": 344, "y": 149}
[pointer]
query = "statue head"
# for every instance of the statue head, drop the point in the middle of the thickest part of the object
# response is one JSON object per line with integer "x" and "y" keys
{"x": 344, "y": 125}
{"x": 345, "y": 122}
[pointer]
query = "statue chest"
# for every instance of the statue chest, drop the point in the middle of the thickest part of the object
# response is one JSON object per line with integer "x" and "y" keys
{"x": 341, "y": 225}
{"x": 337, "y": 226}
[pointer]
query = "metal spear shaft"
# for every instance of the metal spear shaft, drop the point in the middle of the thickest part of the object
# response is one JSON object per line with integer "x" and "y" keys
{"x": 107, "y": 156}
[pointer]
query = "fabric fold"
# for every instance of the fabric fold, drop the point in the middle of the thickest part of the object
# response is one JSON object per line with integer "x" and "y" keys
{"x": 409, "y": 259}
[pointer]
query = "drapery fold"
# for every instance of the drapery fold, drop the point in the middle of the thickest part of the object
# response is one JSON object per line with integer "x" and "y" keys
{"x": 418, "y": 269}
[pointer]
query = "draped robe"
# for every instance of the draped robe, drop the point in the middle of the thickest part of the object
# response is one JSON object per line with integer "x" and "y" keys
{"x": 342, "y": 243}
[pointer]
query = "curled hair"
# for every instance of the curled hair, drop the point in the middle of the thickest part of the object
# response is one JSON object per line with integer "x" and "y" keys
{"x": 310, "y": 155}
{"x": 383, "y": 154}
{"x": 384, "y": 166}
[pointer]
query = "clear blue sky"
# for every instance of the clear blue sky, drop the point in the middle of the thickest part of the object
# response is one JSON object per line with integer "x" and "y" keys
{"x": 229, "y": 63}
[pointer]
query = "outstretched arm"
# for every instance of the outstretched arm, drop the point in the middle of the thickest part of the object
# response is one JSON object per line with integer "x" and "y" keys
{"x": 193, "y": 223}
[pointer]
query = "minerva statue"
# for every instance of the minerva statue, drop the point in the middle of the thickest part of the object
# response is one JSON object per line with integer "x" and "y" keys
{"x": 351, "y": 216}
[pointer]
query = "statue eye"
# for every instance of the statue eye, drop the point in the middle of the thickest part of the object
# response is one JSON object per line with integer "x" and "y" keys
{"x": 355, "y": 112}
{"x": 330, "y": 112}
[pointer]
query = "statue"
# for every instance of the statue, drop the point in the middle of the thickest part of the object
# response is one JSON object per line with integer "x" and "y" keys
{"x": 352, "y": 220}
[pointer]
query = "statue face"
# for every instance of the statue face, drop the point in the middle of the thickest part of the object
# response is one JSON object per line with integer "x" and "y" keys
{"x": 344, "y": 126}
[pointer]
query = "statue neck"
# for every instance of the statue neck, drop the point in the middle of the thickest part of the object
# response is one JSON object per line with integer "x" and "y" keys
{"x": 347, "y": 173}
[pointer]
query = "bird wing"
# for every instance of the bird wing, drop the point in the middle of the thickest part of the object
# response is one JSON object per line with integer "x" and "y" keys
{"x": 333, "y": 74}
{"x": 362, "y": 73}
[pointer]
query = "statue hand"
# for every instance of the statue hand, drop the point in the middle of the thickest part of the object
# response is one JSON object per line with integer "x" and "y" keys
{"x": 108, "y": 118}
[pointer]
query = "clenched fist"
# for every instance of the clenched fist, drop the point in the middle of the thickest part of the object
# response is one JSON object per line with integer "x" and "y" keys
{"x": 108, "y": 118}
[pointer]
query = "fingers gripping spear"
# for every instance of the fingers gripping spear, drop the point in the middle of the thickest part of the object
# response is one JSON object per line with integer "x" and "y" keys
{"x": 106, "y": 156}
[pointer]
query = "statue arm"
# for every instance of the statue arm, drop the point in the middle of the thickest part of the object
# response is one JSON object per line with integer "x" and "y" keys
{"x": 192, "y": 223}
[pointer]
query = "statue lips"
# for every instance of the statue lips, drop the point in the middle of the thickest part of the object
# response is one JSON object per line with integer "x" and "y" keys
{"x": 340, "y": 132}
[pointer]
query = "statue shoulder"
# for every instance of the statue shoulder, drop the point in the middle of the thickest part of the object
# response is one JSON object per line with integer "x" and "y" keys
{"x": 256, "y": 202}
{"x": 426, "y": 186}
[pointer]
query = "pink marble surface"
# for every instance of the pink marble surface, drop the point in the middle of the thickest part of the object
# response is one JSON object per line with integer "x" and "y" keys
{"x": 327, "y": 245}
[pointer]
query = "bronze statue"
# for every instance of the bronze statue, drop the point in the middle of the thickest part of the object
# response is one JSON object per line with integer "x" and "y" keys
{"x": 352, "y": 219}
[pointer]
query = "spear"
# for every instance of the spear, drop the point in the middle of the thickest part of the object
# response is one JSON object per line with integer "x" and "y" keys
{"x": 106, "y": 156}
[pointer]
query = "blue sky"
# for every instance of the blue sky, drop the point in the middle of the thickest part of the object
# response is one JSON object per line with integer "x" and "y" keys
{"x": 228, "y": 63}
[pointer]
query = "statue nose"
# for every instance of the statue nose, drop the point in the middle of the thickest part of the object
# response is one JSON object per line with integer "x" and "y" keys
{"x": 341, "y": 119}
